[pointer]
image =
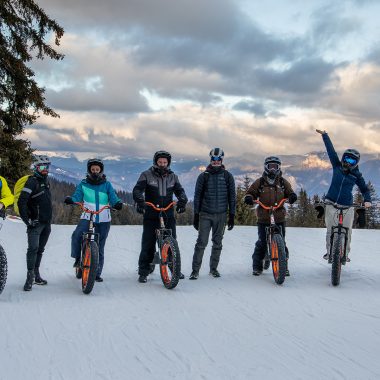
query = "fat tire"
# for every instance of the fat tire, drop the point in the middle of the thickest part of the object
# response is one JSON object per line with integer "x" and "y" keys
{"x": 336, "y": 262}
{"x": 279, "y": 241}
{"x": 3, "y": 269}
{"x": 170, "y": 282}
{"x": 94, "y": 252}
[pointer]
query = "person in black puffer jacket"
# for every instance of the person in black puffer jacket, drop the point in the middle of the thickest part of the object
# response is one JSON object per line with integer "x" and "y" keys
{"x": 156, "y": 185}
{"x": 35, "y": 209}
{"x": 214, "y": 196}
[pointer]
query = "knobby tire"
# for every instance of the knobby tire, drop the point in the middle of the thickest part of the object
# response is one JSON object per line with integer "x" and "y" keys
{"x": 278, "y": 258}
{"x": 170, "y": 267}
{"x": 337, "y": 254}
{"x": 3, "y": 269}
{"x": 90, "y": 261}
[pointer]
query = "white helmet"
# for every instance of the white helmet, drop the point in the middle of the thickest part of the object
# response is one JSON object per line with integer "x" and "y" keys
{"x": 41, "y": 159}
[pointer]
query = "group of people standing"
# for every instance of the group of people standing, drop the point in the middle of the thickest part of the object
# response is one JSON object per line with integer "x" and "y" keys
{"x": 214, "y": 206}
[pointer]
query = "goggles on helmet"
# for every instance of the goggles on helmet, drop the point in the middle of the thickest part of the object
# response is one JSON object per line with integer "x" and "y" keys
{"x": 43, "y": 167}
{"x": 352, "y": 161}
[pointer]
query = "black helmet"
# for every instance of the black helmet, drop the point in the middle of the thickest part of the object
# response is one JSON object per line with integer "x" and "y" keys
{"x": 95, "y": 161}
{"x": 272, "y": 166}
{"x": 216, "y": 154}
{"x": 162, "y": 154}
{"x": 350, "y": 158}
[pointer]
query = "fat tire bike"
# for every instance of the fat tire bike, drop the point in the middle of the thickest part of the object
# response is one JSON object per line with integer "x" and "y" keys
{"x": 276, "y": 252}
{"x": 89, "y": 259}
{"x": 3, "y": 266}
{"x": 338, "y": 243}
{"x": 167, "y": 256}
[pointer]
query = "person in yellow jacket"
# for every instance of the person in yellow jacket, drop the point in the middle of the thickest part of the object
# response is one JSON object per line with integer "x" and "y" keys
{"x": 6, "y": 196}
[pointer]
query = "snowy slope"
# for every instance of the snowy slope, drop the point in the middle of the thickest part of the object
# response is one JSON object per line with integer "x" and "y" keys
{"x": 234, "y": 327}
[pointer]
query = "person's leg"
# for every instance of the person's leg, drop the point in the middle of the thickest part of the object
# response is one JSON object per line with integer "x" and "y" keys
{"x": 205, "y": 223}
{"x": 218, "y": 228}
{"x": 76, "y": 238}
{"x": 348, "y": 220}
{"x": 260, "y": 248}
{"x": 102, "y": 229}
{"x": 148, "y": 243}
{"x": 31, "y": 253}
{"x": 331, "y": 219}
{"x": 44, "y": 236}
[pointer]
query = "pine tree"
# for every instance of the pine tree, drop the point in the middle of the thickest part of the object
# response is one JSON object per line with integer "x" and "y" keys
{"x": 244, "y": 214}
{"x": 373, "y": 218}
{"x": 23, "y": 29}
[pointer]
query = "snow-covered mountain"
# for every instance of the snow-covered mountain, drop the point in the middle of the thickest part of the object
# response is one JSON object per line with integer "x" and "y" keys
{"x": 235, "y": 327}
{"x": 310, "y": 171}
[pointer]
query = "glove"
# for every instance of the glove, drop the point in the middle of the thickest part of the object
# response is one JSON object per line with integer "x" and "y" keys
{"x": 180, "y": 208}
{"x": 68, "y": 200}
{"x": 196, "y": 221}
{"x": 118, "y": 206}
{"x": 231, "y": 222}
{"x": 292, "y": 198}
{"x": 321, "y": 210}
{"x": 140, "y": 207}
{"x": 367, "y": 204}
{"x": 248, "y": 200}
{"x": 320, "y": 131}
{"x": 33, "y": 223}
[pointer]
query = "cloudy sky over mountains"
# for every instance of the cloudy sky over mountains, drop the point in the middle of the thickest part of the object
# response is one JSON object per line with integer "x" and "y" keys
{"x": 184, "y": 75}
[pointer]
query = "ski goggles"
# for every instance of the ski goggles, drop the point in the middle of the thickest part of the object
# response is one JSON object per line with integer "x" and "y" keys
{"x": 272, "y": 166}
{"x": 352, "y": 161}
{"x": 43, "y": 167}
{"x": 216, "y": 158}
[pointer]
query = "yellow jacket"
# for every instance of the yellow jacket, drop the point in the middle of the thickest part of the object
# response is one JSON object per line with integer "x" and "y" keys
{"x": 6, "y": 196}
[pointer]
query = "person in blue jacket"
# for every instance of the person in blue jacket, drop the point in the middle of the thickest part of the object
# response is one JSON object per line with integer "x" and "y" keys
{"x": 95, "y": 192}
{"x": 346, "y": 175}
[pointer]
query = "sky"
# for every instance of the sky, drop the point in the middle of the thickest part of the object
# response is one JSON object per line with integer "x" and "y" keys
{"x": 186, "y": 76}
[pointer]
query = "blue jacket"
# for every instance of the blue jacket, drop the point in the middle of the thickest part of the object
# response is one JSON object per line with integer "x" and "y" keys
{"x": 343, "y": 181}
{"x": 95, "y": 197}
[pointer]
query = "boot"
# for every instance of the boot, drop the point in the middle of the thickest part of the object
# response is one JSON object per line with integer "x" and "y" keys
{"x": 29, "y": 280}
{"x": 37, "y": 278}
{"x": 194, "y": 275}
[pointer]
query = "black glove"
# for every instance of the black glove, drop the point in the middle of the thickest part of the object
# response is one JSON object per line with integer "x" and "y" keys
{"x": 321, "y": 210}
{"x": 196, "y": 221}
{"x": 248, "y": 200}
{"x": 118, "y": 206}
{"x": 33, "y": 223}
{"x": 2, "y": 213}
{"x": 140, "y": 207}
{"x": 68, "y": 200}
{"x": 181, "y": 208}
{"x": 231, "y": 222}
{"x": 292, "y": 198}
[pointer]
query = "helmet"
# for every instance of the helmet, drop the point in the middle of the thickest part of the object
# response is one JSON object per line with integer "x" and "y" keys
{"x": 350, "y": 158}
{"x": 162, "y": 154}
{"x": 40, "y": 159}
{"x": 95, "y": 161}
{"x": 272, "y": 166}
{"x": 216, "y": 154}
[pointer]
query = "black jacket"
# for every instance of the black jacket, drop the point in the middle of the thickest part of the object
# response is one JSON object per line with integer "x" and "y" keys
{"x": 157, "y": 188}
{"x": 34, "y": 202}
{"x": 215, "y": 191}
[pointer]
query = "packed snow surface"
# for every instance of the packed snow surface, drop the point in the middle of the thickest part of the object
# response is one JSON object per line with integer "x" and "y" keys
{"x": 234, "y": 327}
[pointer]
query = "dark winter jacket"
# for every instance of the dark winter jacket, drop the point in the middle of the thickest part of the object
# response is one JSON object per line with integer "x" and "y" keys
{"x": 34, "y": 202}
{"x": 215, "y": 191}
{"x": 343, "y": 181}
{"x": 270, "y": 195}
{"x": 158, "y": 188}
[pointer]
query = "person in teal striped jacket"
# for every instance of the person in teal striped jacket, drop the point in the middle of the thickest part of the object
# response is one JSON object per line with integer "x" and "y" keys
{"x": 95, "y": 192}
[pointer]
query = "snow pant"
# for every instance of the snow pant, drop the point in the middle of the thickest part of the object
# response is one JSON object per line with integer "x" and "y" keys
{"x": 148, "y": 242}
{"x": 261, "y": 245}
{"x": 76, "y": 240}
{"x": 331, "y": 220}
{"x": 37, "y": 239}
{"x": 208, "y": 222}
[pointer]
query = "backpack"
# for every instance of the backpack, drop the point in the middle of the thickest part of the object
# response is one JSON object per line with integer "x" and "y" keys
{"x": 17, "y": 191}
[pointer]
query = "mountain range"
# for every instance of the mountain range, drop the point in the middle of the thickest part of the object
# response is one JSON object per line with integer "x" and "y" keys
{"x": 311, "y": 171}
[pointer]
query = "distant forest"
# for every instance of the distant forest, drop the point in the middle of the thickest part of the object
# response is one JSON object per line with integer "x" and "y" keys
{"x": 301, "y": 214}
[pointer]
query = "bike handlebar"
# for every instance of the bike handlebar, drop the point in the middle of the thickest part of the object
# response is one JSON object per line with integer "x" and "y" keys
{"x": 282, "y": 201}
{"x": 154, "y": 207}
{"x": 84, "y": 209}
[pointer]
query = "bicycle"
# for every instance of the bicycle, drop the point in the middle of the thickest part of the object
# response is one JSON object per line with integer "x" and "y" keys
{"x": 168, "y": 256}
{"x": 275, "y": 253}
{"x": 338, "y": 243}
{"x": 89, "y": 252}
{"x": 3, "y": 265}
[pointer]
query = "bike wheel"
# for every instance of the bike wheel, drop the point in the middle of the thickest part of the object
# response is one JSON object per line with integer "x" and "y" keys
{"x": 336, "y": 256}
{"x": 90, "y": 261}
{"x": 170, "y": 266}
{"x": 3, "y": 269}
{"x": 278, "y": 258}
